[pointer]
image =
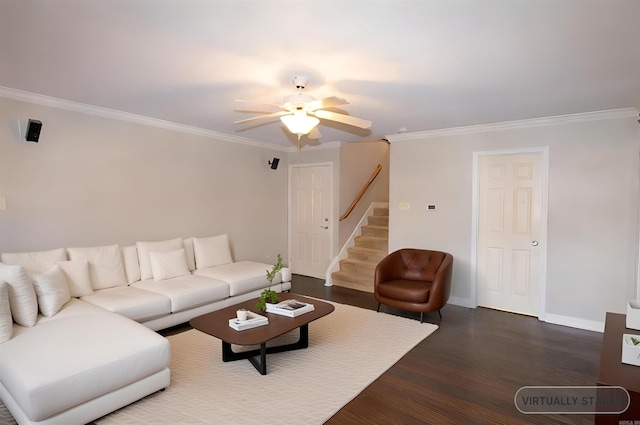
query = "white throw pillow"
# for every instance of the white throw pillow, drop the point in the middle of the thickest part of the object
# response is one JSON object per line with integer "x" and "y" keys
{"x": 6, "y": 322}
{"x": 105, "y": 265}
{"x": 77, "y": 274}
{"x": 211, "y": 252}
{"x": 144, "y": 248}
{"x": 168, "y": 264}
{"x": 36, "y": 261}
{"x": 52, "y": 290}
{"x": 131, "y": 265}
{"x": 22, "y": 296}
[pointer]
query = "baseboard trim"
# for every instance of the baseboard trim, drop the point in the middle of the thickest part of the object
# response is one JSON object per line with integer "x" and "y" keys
{"x": 555, "y": 319}
{"x": 462, "y": 302}
{"x": 574, "y": 322}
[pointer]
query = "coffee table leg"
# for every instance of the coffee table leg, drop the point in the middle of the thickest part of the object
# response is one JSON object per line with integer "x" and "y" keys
{"x": 258, "y": 358}
{"x": 260, "y": 365}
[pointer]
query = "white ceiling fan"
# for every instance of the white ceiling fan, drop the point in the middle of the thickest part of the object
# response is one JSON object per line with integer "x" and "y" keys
{"x": 301, "y": 113}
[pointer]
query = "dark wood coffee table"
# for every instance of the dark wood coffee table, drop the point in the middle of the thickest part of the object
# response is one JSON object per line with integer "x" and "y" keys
{"x": 217, "y": 324}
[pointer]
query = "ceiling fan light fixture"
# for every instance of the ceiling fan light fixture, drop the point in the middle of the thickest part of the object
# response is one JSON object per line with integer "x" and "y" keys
{"x": 300, "y": 123}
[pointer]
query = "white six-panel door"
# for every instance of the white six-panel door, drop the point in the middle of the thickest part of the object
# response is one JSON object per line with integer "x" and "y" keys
{"x": 509, "y": 231}
{"x": 310, "y": 220}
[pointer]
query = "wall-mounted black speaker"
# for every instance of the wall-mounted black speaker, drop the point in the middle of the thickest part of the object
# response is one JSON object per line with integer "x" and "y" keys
{"x": 33, "y": 130}
{"x": 274, "y": 163}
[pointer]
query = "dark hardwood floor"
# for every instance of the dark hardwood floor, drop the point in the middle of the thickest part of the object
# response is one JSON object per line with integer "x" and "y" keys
{"x": 469, "y": 370}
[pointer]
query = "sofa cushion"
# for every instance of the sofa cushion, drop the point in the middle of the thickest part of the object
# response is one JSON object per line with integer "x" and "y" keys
{"x": 134, "y": 303}
{"x": 131, "y": 264}
{"x": 144, "y": 248}
{"x": 52, "y": 290}
{"x": 187, "y": 292}
{"x": 168, "y": 264}
{"x": 6, "y": 321}
{"x": 36, "y": 261}
{"x": 78, "y": 279}
{"x": 22, "y": 296}
{"x": 66, "y": 360}
{"x": 105, "y": 265}
{"x": 242, "y": 276}
{"x": 212, "y": 251}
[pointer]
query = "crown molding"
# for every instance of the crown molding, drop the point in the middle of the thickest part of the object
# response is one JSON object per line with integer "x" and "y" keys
{"x": 70, "y": 105}
{"x": 510, "y": 125}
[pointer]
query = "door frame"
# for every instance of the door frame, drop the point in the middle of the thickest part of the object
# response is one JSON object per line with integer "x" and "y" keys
{"x": 334, "y": 217}
{"x": 475, "y": 211}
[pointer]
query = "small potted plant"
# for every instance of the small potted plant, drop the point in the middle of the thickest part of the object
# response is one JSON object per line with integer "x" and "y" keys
{"x": 269, "y": 295}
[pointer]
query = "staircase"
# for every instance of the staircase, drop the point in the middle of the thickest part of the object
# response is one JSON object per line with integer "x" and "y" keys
{"x": 357, "y": 270}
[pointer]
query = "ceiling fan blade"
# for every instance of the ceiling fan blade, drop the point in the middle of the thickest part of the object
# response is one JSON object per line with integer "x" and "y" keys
{"x": 247, "y": 105}
{"x": 345, "y": 119}
{"x": 327, "y": 102}
{"x": 261, "y": 117}
{"x": 315, "y": 134}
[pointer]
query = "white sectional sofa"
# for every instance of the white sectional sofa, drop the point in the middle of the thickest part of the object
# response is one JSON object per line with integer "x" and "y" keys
{"x": 77, "y": 325}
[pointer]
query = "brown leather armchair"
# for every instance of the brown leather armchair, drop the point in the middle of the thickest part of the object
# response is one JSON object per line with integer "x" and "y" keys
{"x": 414, "y": 280}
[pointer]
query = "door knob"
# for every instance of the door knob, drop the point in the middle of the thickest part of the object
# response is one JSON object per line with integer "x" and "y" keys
{"x": 534, "y": 243}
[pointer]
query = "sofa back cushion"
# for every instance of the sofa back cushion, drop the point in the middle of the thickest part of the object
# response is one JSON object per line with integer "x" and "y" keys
{"x": 168, "y": 264}
{"x": 22, "y": 296}
{"x": 212, "y": 251}
{"x": 131, "y": 264}
{"x": 144, "y": 248}
{"x": 105, "y": 265}
{"x": 36, "y": 261}
{"x": 78, "y": 278}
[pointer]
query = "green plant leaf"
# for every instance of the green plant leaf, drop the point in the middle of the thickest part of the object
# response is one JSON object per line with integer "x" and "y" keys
{"x": 268, "y": 295}
{"x": 635, "y": 341}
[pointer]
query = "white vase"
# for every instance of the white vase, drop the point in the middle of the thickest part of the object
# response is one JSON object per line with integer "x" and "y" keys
{"x": 286, "y": 274}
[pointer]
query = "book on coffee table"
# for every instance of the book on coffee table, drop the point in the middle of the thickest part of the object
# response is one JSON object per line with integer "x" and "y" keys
{"x": 253, "y": 321}
{"x": 290, "y": 308}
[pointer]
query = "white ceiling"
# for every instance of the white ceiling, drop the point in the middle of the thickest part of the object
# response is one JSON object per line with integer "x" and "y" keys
{"x": 420, "y": 65}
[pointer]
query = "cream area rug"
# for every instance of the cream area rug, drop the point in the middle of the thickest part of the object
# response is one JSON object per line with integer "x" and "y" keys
{"x": 348, "y": 349}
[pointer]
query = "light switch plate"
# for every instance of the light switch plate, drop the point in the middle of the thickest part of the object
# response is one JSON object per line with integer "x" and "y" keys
{"x": 404, "y": 206}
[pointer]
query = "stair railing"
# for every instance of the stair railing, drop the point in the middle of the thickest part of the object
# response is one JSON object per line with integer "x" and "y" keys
{"x": 362, "y": 192}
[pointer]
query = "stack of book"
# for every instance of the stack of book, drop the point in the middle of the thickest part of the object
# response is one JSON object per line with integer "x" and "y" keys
{"x": 290, "y": 308}
{"x": 253, "y": 321}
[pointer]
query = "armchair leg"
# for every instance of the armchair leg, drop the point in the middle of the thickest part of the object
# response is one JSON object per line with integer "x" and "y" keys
{"x": 421, "y": 314}
{"x": 440, "y": 314}
{"x": 378, "y": 309}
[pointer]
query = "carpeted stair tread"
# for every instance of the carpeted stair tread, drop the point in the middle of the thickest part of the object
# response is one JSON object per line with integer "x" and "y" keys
{"x": 381, "y": 211}
{"x": 373, "y": 230}
{"x": 374, "y": 242}
{"x": 375, "y": 220}
{"x": 367, "y": 254}
{"x": 352, "y": 280}
{"x": 358, "y": 266}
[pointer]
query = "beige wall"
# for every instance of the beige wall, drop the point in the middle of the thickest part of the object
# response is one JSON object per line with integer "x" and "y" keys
{"x": 358, "y": 161}
{"x": 592, "y": 245}
{"x": 93, "y": 180}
